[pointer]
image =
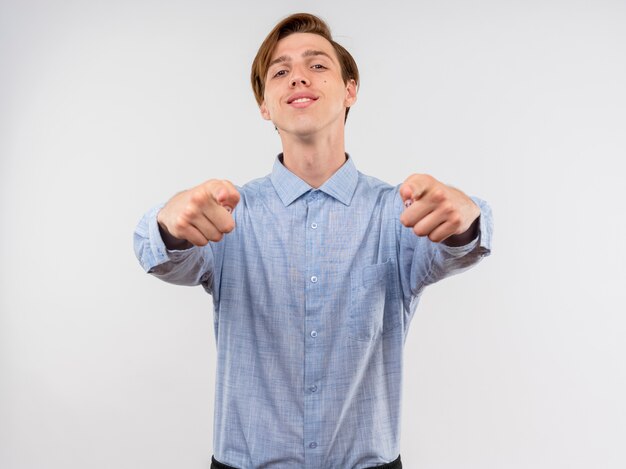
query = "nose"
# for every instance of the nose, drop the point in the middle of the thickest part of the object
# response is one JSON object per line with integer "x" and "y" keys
{"x": 303, "y": 81}
{"x": 299, "y": 78}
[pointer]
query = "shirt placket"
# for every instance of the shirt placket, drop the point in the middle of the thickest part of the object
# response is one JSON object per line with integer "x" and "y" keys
{"x": 314, "y": 335}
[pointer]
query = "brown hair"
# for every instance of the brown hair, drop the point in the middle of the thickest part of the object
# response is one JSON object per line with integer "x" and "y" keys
{"x": 298, "y": 23}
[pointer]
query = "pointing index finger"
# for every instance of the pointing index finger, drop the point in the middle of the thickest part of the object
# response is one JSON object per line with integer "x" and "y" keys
{"x": 413, "y": 188}
{"x": 225, "y": 194}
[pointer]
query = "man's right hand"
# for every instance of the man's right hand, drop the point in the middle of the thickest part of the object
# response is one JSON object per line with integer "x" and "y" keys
{"x": 198, "y": 215}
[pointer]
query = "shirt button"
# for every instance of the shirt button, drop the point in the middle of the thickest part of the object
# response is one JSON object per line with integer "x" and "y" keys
{"x": 313, "y": 333}
{"x": 313, "y": 388}
{"x": 313, "y": 445}
{"x": 314, "y": 279}
{"x": 314, "y": 225}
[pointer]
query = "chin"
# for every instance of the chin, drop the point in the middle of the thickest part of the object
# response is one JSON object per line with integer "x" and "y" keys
{"x": 301, "y": 129}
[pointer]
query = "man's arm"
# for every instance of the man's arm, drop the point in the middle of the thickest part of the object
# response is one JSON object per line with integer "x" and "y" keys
{"x": 445, "y": 232}
{"x": 172, "y": 241}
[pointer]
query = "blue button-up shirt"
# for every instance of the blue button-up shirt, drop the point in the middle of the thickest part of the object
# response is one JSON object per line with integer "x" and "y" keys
{"x": 313, "y": 293}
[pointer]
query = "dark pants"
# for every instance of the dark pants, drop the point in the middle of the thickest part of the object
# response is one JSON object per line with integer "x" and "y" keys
{"x": 397, "y": 464}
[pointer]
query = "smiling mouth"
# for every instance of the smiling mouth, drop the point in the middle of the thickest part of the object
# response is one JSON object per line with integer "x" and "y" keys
{"x": 302, "y": 98}
{"x": 302, "y": 102}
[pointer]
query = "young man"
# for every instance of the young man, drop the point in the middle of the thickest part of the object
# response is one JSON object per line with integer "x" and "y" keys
{"x": 315, "y": 271}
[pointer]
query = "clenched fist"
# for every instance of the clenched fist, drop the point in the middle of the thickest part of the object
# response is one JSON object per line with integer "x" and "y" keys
{"x": 438, "y": 211}
{"x": 198, "y": 215}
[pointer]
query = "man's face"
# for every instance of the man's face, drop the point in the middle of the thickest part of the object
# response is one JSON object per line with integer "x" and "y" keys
{"x": 304, "y": 89}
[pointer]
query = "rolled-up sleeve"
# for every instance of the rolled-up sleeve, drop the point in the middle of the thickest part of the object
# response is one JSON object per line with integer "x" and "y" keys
{"x": 193, "y": 266}
{"x": 424, "y": 262}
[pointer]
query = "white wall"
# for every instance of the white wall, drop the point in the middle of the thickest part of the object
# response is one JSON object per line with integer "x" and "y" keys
{"x": 107, "y": 108}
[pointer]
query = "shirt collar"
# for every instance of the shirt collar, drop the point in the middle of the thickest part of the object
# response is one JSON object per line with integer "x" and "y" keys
{"x": 341, "y": 185}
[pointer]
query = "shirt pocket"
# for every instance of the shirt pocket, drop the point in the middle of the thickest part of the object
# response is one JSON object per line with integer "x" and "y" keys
{"x": 374, "y": 301}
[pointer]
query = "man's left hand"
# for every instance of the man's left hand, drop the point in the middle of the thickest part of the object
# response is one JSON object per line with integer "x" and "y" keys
{"x": 438, "y": 211}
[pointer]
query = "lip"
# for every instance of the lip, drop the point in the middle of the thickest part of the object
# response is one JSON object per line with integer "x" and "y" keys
{"x": 310, "y": 99}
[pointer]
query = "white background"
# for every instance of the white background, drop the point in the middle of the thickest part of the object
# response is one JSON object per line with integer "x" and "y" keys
{"x": 108, "y": 108}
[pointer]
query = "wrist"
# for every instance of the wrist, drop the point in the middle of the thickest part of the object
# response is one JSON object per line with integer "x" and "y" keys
{"x": 464, "y": 238}
{"x": 172, "y": 242}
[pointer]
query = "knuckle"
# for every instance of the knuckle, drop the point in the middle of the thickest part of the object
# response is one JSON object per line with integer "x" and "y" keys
{"x": 201, "y": 242}
{"x": 180, "y": 224}
{"x": 216, "y": 236}
{"x": 433, "y": 238}
{"x": 196, "y": 197}
{"x": 448, "y": 207}
{"x": 439, "y": 195}
{"x": 187, "y": 214}
{"x": 419, "y": 231}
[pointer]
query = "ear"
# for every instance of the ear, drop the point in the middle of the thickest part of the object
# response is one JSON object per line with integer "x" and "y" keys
{"x": 350, "y": 93}
{"x": 264, "y": 112}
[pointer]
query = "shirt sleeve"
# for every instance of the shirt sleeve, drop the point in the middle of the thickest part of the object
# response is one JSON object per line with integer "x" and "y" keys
{"x": 193, "y": 266}
{"x": 423, "y": 262}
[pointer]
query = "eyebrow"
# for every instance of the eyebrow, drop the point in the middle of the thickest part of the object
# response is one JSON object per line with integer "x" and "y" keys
{"x": 307, "y": 53}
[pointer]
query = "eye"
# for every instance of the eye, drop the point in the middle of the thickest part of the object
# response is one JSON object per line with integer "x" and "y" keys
{"x": 318, "y": 66}
{"x": 280, "y": 73}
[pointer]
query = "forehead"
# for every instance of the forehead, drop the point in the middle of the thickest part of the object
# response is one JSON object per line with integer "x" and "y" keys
{"x": 297, "y": 43}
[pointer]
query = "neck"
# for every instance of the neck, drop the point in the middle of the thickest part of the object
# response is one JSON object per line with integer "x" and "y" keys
{"x": 313, "y": 158}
